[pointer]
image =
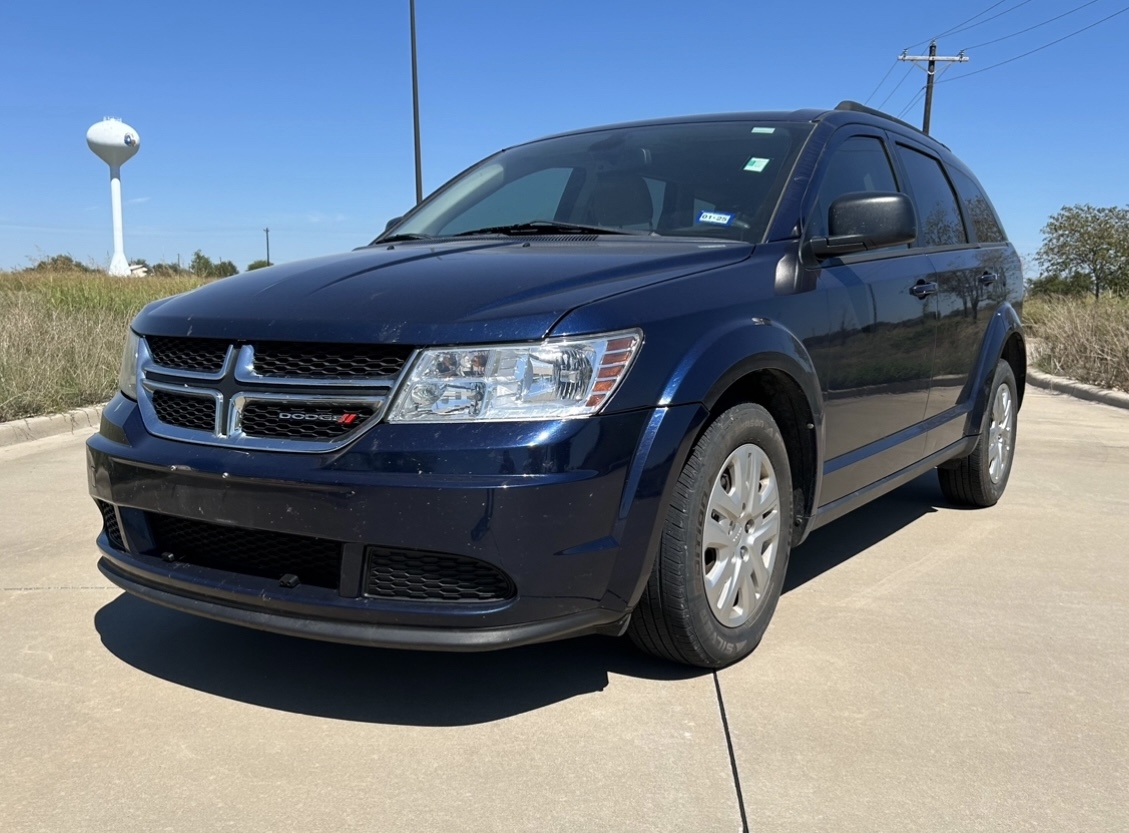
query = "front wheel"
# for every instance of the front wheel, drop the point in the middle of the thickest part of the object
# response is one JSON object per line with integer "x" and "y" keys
{"x": 725, "y": 546}
{"x": 980, "y": 478}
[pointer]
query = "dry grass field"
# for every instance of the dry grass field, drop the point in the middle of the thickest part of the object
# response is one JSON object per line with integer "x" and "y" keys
{"x": 1081, "y": 338}
{"x": 61, "y": 335}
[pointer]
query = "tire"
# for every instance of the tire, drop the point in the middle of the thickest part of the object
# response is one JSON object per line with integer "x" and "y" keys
{"x": 725, "y": 546}
{"x": 980, "y": 478}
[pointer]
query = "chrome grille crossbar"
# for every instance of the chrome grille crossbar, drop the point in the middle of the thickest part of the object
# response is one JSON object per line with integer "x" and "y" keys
{"x": 240, "y": 407}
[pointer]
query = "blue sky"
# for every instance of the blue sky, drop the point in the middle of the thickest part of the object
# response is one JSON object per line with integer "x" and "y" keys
{"x": 297, "y": 116}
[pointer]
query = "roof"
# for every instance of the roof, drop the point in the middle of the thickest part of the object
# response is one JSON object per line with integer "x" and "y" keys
{"x": 844, "y": 112}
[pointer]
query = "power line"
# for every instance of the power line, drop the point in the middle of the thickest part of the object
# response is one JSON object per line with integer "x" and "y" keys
{"x": 960, "y": 29}
{"x": 887, "y": 75}
{"x": 904, "y": 77}
{"x": 1031, "y": 28}
{"x": 963, "y": 22}
{"x": 957, "y": 27}
{"x": 922, "y": 92}
{"x": 1038, "y": 49}
{"x": 912, "y": 101}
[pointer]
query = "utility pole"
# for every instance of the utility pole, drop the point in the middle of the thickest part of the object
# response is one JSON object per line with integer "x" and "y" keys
{"x": 931, "y": 71}
{"x": 415, "y": 103}
{"x": 266, "y": 231}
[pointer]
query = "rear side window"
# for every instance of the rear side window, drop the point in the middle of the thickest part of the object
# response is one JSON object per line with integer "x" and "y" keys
{"x": 938, "y": 218}
{"x": 858, "y": 164}
{"x": 978, "y": 210}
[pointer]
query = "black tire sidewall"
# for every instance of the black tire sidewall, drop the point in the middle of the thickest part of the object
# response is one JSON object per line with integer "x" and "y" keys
{"x": 736, "y": 427}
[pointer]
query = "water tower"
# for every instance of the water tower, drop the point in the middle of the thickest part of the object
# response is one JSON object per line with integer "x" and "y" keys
{"x": 115, "y": 142}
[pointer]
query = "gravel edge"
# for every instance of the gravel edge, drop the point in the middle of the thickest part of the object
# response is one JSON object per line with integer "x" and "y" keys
{"x": 36, "y": 428}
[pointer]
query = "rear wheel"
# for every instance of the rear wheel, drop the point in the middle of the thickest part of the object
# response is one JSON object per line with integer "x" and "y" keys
{"x": 725, "y": 546}
{"x": 980, "y": 478}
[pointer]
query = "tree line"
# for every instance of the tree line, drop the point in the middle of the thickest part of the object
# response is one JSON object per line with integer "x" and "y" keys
{"x": 1085, "y": 251}
{"x": 200, "y": 265}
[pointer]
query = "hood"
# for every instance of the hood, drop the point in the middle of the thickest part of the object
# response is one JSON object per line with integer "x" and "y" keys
{"x": 421, "y": 293}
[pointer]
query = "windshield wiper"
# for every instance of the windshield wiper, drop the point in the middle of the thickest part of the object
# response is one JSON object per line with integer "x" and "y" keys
{"x": 400, "y": 238}
{"x": 547, "y": 227}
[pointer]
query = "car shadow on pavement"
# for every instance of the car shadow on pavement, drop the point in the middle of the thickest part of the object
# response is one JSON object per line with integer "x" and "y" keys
{"x": 830, "y": 546}
{"x": 420, "y": 688}
{"x": 373, "y": 685}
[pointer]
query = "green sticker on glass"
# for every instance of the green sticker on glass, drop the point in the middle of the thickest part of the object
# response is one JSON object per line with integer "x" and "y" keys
{"x": 764, "y": 129}
{"x": 756, "y": 164}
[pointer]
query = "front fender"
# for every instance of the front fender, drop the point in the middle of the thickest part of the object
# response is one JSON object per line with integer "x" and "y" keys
{"x": 717, "y": 362}
{"x": 720, "y": 372}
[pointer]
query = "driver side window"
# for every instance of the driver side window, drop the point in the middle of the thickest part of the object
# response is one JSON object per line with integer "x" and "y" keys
{"x": 859, "y": 164}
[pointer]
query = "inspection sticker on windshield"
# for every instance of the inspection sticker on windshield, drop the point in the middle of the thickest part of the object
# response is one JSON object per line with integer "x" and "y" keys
{"x": 756, "y": 164}
{"x": 718, "y": 218}
{"x": 764, "y": 129}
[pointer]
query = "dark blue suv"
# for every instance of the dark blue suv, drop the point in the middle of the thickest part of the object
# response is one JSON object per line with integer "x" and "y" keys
{"x": 601, "y": 382}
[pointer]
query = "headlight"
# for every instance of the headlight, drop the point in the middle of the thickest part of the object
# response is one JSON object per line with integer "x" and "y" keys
{"x": 558, "y": 379}
{"x": 127, "y": 376}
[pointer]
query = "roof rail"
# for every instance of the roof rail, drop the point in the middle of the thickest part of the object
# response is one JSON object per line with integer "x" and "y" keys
{"x": 854, "y": 106}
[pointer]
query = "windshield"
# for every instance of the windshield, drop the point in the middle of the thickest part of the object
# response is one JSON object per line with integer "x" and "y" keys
{"x": 711, "y": 179}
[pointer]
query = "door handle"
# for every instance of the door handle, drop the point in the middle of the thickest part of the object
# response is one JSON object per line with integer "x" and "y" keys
{"x": 988, "y": 278}
{"x": 923, "y": 289}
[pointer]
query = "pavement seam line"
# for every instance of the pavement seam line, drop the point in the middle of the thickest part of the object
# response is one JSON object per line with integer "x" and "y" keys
{"x": 732, "y": 755}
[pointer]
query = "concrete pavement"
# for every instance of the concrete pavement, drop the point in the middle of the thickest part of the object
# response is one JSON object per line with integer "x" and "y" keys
{"x": 928, "y": 669}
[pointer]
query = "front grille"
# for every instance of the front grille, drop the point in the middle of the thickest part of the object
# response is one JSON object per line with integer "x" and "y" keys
{"x": 417, "y": 576}
{"x": 185, "y": 411}
{"x": 198, "y": 355}
{"x": 301, "y": 420}
{"x": 328, "y": 361}
{"x": 110, "y": 524}
{"x": 249, "y": 552}
{"x": 273, "y": 395}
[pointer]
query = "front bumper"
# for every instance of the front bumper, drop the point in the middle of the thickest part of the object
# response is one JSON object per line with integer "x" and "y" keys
{"x": 568, "y": 511}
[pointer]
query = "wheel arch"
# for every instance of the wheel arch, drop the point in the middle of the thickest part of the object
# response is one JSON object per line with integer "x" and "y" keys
{"x": 1005, "y": 340}
{"x": 764, "y": 364}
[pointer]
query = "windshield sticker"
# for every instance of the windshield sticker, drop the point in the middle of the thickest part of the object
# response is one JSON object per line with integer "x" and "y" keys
{"x": 756, "y": 164}
{"x": 718, "y": 218}
{"x": 764, "y": 129}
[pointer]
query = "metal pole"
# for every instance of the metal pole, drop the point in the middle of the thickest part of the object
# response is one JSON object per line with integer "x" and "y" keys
{"x": 931, "y": 61}
{"x": 929, "y": 74}
{"x": 415, "y": 104}
{"x": 266, "y": 231}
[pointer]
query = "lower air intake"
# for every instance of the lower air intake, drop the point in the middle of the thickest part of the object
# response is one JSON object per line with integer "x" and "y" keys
{"x": 248, "y": 552}
{"x": 418, "y": 576}
{"x": 110, "y": 524}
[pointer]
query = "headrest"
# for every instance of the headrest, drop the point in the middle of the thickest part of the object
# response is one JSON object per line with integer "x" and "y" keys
{"x": 620, "y": 199}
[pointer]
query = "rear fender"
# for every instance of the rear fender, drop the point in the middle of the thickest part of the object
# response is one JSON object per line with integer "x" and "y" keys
{"x": 1003, "y": 327}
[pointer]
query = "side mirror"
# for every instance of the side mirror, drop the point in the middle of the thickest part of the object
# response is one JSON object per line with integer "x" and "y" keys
{"x": 393, "y": 222}
{"x": 864, "y": 221}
